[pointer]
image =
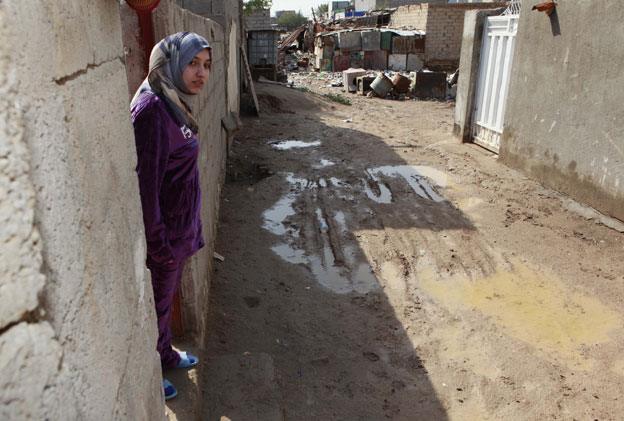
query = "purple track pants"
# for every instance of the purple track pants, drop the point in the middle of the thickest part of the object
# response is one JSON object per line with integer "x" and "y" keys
{"x": 165, "y": 282}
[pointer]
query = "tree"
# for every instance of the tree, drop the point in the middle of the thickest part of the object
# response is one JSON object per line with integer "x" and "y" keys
{"x": 322, "y": 10}
{"x": 292, "y": 21}
{"x": 251, "y": 5}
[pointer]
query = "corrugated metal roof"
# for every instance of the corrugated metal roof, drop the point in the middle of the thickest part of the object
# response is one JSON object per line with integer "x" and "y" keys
{"x": 400, "y": 32}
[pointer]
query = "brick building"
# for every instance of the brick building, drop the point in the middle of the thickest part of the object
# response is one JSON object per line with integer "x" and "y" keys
{"x": 443, "y": 24}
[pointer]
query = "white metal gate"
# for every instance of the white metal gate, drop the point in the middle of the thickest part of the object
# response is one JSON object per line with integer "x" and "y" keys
{"x": 493, "y": 83}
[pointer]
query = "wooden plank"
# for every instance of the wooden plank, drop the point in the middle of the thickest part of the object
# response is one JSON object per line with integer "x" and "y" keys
{"x": 250, "y": 81}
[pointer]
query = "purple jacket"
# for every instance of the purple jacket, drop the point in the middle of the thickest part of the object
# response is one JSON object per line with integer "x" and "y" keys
{"x": 168, "y": 181}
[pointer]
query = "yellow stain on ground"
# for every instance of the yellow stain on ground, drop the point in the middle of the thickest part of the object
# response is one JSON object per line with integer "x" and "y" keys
{"x": 532, "y": 307}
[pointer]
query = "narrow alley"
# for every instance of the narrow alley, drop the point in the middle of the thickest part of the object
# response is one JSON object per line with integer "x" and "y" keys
{"x": 375, "y": 268}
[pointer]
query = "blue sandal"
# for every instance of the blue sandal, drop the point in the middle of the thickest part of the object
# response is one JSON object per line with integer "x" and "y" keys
{"x": 170, "y": 390}
{"x": 187, "y": 360}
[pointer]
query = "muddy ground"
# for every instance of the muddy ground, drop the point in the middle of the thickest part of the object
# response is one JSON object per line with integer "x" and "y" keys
{"x": 378, "y": 269}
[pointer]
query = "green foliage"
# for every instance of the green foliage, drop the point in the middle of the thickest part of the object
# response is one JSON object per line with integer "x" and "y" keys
{"x": 322, "y": 10}
{"x": 338, "y": 98}
{"x": 292, "y": 21}
{"x": 251, "y": 5}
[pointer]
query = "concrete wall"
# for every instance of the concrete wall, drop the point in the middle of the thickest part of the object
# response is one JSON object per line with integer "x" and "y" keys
{"x": 564, "y": 122}
{"x": 77, "y": 325}
{"x": 474, "y": 20}
{"x": 228, "y": 13}
{"x": 211, "y": 107}
{"x": 259, "y": 20}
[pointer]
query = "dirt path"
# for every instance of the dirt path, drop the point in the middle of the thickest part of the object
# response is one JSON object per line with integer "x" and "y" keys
{"x": 376, "y": 269}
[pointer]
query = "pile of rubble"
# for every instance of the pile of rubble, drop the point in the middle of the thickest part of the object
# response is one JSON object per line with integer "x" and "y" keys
{"x": 424, "y": 84}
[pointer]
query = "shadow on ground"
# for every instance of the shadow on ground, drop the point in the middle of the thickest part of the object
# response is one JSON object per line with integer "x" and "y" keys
{"x": 282, "y": 342}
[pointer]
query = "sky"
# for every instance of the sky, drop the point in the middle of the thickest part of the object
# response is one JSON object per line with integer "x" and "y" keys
{"x": 303, "y": 5}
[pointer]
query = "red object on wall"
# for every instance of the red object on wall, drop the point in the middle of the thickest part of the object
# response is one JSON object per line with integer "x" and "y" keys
{"x": 144, "y": 10}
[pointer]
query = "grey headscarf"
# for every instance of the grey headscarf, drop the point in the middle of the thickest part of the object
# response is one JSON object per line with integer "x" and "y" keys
{"x": 167, "y": 62}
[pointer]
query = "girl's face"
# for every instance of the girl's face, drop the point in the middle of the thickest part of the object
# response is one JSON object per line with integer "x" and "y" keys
{"x": 196, "y": 73}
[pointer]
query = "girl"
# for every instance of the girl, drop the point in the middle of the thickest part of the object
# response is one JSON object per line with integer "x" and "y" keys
{"x": 167, "y": 149}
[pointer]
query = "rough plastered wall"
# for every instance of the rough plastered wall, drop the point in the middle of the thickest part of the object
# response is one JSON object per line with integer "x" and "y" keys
{"x": 77, "y": 325}
{"x": 210, "y": 107}
{"x": 564, "y": 121}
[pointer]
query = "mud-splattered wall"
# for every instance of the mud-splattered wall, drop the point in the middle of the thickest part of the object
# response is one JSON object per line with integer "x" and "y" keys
{"x": 563, "y": 124}
{"x": 77, "y": 325}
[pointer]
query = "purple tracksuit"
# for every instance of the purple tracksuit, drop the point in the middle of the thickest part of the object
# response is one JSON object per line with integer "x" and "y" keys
{"x": 171, "y": 200}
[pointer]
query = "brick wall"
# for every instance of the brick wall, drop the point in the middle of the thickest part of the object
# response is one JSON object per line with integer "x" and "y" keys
{"x": 410, "y": 17}
{"x": 259, "y": 20}
{"x": 445, "y": 26}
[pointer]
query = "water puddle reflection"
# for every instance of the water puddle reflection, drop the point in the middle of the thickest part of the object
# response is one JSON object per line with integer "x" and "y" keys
{"x": 420, "y": 178}
{"x": 333, "y": 258}
{"x": 284, "y": 145}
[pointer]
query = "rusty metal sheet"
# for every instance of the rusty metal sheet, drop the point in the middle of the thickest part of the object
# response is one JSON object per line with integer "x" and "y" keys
{"x": 326, "y": 65}
{"x": 341, "y": 62}
{"x": 371, "y": 40}
{"x": 356, "y": 59}
{"x": 375, "y": 60}
{"x": 350, "y": 40}
{"x": 430, "y": 85}
{"x": 408, "y": 45}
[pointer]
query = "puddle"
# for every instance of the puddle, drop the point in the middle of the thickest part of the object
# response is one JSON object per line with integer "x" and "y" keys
{"x": 348, "y": 275}
{"x": 384, "y": 195}
{"x": 324, "y": 163}
{"x": 533, "y": 308}
{"x": 284, "y": 145}
{"x": 275, "y": 216}
{"x": 420, "y": 178}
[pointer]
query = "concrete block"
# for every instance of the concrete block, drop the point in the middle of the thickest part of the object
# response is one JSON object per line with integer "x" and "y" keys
{"x": 364, "y": 84}
{"x": 397, "y": 62}
{"x": 349, "y": 77}
{"x": 371, "y": 40}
